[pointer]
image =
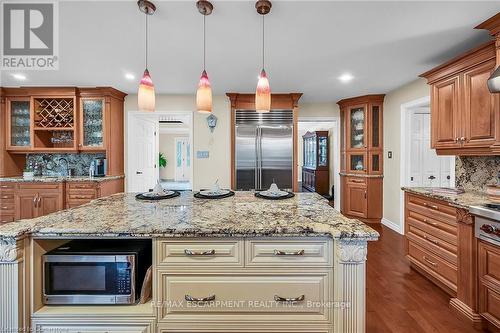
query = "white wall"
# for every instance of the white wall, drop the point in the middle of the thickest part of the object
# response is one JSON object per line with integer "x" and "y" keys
{"x": 167, "y": 148}
{"x": 392, "y": 137}
{"x": 218, "y": 165}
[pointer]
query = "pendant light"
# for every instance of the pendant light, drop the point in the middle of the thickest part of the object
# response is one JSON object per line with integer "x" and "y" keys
{"x": 263, "y": 91}
{"x": 204, "y": 92}
{"x": 146, "y": 92}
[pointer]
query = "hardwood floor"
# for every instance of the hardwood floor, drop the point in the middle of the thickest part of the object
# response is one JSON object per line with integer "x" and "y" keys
{"x": 401, "y": 300}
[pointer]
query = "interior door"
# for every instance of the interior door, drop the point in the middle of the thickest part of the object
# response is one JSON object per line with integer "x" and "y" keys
{"x": 182, "y": 159}
{"x": 276, "y": 155}
{"x": 143, "y": 170}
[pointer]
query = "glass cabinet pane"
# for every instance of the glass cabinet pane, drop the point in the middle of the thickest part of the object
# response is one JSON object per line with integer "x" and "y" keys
{"x": 20, "y": 124}
{"x": 357, "y": 127}
{"x": 93, "y": 110}
{"x": 375, "y": 162}
{"x": 375, "y": 126}
{"x": 357, "y": 162}
{"x": 323, "y": 152}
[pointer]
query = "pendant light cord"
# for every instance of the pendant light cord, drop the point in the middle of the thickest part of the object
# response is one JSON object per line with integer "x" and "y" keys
{"x": 263, "y": 44}
{"x": 146, "y": 41}
{"x": 204, "y": 41}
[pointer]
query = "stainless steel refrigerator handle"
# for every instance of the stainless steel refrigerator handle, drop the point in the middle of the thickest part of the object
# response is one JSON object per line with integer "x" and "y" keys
{"x": 260, "y": 158}
{"x": 256, "y": 174}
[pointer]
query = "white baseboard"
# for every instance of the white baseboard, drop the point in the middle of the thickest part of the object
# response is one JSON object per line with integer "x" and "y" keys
{"x": 394, "y": 226}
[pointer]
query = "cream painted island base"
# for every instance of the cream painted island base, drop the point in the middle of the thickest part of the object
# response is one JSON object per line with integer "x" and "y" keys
{"x": 277, "y": 281}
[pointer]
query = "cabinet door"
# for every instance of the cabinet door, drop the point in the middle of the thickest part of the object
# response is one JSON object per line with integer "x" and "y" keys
{"x": 26, "y": 204}
{"x": 49, "y": 202}
{"x": 356, "y": 127}
{"x": 375, "y": 126}
{"x": 445, "y": 114}
{"x": 356, "y": 200}
{"x": 489, "y": 282}
{"x": 356, "y": 162}
{"x": 92, "y": 134}
{"x": 479, "y": 107}
{"x": 19, "y": 124}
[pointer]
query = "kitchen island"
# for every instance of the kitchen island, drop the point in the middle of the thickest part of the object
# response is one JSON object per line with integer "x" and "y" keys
{"x": 299, "y": 249}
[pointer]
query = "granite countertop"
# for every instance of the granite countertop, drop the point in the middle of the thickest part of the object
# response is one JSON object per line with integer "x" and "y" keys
{"x": 47, "y": 179}
{"x": 243, "y": 215}
{"x": 464, "y": 200}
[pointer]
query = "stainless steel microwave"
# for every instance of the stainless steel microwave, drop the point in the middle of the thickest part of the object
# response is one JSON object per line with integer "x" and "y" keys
{"x": 95, "y": 272}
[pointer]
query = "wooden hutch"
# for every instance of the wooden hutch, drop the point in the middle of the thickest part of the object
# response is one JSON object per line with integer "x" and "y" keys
{"x": 361, "y": 166}
{"x": 315, "y": 163}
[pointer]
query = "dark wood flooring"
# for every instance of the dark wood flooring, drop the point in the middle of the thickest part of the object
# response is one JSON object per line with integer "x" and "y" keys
{"x": 400, "y": 300}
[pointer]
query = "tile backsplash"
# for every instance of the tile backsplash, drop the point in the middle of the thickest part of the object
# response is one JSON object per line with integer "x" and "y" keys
{"x": 52, "y": 165}
{"x": 475, "y": 172}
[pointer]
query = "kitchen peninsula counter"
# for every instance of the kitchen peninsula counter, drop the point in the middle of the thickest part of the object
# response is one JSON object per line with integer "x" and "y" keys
{"x": 298, "y": 249}
{"x": 50, "y": 179}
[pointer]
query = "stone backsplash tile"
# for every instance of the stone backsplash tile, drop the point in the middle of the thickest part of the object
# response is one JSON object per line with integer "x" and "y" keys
{"x": 475, "y": 172}
{"x": 52, "y": 165}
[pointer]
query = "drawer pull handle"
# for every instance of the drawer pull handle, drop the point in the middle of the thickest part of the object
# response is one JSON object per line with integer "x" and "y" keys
{"x": 431, "y": 206}
{"x": 5, "y": 207}
{"x": 357, "y": 181}
{"x": 286, "y": 253}
{"x": 431, "y": 240}
{"x": 429, "y": 261}
{"x": 190, "y": 298}
{"x": 199, "y": 253}
{"x": 293, "y": 299}
{"x": 5, "y": 197}
{"x": 429, "y": 222}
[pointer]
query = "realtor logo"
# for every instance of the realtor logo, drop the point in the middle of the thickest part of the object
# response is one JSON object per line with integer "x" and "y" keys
{"x": 30, "y": 36}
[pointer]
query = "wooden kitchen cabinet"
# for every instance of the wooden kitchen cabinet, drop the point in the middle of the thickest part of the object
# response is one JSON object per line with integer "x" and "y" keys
{"x": 489, "y": 282}
{"x": 464, "y": 114}
{"x": 361, "y": 157}
{"x": 38, "y": 199}
{"x": 7, "y": 205}
{"x": 79, "y": 193}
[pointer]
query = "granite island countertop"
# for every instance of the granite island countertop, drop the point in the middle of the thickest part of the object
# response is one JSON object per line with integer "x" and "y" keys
{"x": 243, "y": 215}
{"x": 464, "y": 200}
{"x": 49, "y": 179}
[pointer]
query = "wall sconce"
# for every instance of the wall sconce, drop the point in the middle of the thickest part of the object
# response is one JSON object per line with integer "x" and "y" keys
{"x": 211, "y": 122}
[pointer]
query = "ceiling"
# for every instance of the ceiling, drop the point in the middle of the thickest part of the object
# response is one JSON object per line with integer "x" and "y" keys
{"x": 308, "y": 45}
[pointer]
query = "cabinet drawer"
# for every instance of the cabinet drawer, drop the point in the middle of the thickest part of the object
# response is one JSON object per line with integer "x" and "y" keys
{"x": 79, "y": 186}
{"x": 435, "y": 266}
{"x": 432, "y": 208}
{"x": 75, "y": 203}
{"x": 6, "y": 218}
{"x": 82, "y": 196}
{"x": 433, "y": 244}
{"x": 356, "y": 180}
{"x": 74, "y": 326}
{"x": 260, "y": 296}
{"x": 7, "y": 208}
{"x": 200, "y": 253}
{"x": 7, "y": 187}
{"x": 242, "y": 328}
{"x": 40, "y": 186}
{"x": 289, "y": 253}
{"x": 6, "y": 197}
{"x": 446, "y": 230}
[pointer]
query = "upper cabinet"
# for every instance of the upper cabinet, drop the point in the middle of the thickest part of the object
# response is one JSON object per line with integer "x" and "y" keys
{"x": 65, "y": 119}
{"x": 465, "y": 116}
{"x": 361, "y": 134}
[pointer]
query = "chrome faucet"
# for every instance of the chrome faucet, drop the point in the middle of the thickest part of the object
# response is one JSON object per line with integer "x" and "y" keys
{"x": 67, "y": 165}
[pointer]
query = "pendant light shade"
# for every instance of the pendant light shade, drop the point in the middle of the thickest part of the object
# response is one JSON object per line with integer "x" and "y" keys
{"x": 146, "y": 93}
{"x": 204, "y": 95}
{"x": 204, "y": 92}
{"x": 263, "y": 91}
{"x": 263, "y": 94}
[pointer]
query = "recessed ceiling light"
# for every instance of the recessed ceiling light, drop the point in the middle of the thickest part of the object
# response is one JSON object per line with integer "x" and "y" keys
{"x": 130, "y": 76}
{"x": 20, "y": 77}
{"x": 346, "y": 77}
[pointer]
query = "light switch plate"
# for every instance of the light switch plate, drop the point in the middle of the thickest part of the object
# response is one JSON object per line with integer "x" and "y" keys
{"x": 389, "y": 154}
{"x": 202, "y": 154}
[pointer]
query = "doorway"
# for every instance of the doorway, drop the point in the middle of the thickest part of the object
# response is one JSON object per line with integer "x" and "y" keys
{"x": 330, "y": 124}
{"x": 420, "y": 165}
{"x": 159, "y": 149}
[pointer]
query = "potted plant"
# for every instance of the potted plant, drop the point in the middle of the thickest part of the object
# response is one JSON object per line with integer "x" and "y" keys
{"x": 28, "y": 173}
{"x": 162, "y": 161}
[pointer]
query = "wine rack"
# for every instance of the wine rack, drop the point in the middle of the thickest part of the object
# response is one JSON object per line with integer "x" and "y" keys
{"x": 54, "y": 112}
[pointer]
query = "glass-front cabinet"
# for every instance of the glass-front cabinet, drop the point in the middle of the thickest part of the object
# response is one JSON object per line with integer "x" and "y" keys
{"x": 92, "y": 124}
{"x": 315, "y": 174}
{"x": 19, "y": 124}
{"x": 357, "y": 127}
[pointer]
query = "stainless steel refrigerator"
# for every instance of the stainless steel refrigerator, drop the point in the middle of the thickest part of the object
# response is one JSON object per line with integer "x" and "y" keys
{"x": 264, "y": 149}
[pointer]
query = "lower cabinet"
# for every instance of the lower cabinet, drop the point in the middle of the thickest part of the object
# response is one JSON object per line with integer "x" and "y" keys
{"x": 362, "y": 197}
{"x": 38, "y": 199}
{"x": 489, "y": 282}
{"x": 93, "y": 325}
{"x": 7, "y": 205}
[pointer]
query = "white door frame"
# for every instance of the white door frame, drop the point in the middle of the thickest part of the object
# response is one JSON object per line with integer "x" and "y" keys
{"x": 156, "y": 116}
{"x": 405, "y": 152}
{"x": 335, "y": 150}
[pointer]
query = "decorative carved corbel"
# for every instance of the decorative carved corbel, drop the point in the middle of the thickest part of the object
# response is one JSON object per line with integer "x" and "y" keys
{"x": 9, "y": 251}
{"x": 351, "y": 251}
